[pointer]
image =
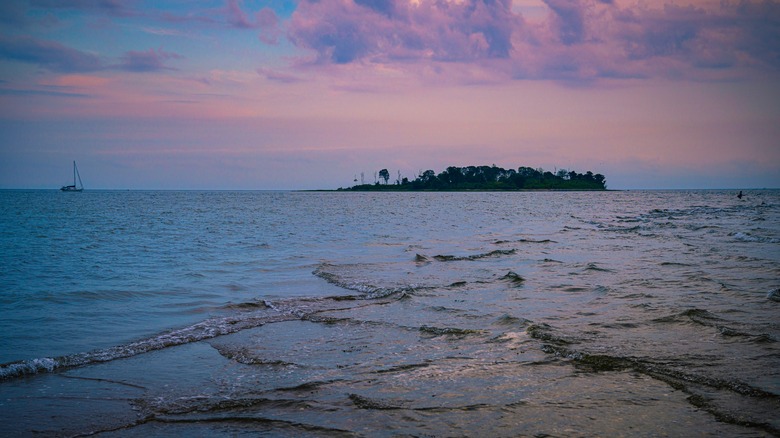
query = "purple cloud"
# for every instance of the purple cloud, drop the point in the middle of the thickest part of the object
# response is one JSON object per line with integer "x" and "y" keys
{"x": 385, "y": 7}
{"x": 237, "y": 17}
{"x": 59, "y": 58}
{"x": 276, "y": 76}
{"x": 393, "y": 30}
{"x": 731, "y": 36}
{"x": 578, "y": 40}
{"x": 50, "y": 55}
{"x": 568, "y": 20}
{"x": 268, "y": 23}
{"x": 148, "y": 61}
{"x": 110, "y": 7}
{"x": 762, "y": 41}
{"x": 233, "y": 15}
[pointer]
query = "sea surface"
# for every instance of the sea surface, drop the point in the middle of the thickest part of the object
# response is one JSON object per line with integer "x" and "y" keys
{"x": 187, "y": 313}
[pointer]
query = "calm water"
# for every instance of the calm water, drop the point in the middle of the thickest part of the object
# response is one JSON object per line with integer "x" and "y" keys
{"x": 389, "y": 314}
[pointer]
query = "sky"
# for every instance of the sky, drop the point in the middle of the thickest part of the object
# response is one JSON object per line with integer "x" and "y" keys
{"x": 305, "y": 94}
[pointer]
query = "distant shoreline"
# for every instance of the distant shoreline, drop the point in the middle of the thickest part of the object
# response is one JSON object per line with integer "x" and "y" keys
{"x": 390, "y": 190}
{"x": 484, "y": 178}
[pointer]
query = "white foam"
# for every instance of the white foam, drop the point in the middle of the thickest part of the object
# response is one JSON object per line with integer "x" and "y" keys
{"x": 747, "y": 237}
{"x": 33, "y": 366}
{"x": 197, "y": 332}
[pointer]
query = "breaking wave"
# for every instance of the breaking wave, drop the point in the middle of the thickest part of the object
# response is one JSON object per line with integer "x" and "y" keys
{"x": 339, "y": 276}
{"x": 747, "y": 237}
{"x": 266, "y": 312}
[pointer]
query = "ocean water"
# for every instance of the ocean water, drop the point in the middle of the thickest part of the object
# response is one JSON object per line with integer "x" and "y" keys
{"x": 160, "y": 313}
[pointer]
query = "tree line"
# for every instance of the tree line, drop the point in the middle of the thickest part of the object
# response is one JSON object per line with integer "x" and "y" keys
{"x": 487, "y": 178}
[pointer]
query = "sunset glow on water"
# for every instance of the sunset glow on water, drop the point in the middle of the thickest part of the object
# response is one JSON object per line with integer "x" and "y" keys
{"x": 337, "y": 313}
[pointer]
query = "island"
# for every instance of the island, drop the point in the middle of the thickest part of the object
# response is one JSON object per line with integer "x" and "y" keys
{"x": 456, "y": 178}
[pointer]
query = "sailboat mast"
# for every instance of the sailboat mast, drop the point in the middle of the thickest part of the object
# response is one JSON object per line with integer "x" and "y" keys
{"x": 76, "y": 173}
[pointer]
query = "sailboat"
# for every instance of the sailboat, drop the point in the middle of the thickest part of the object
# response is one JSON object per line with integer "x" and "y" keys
{"x": 74, "y": 187}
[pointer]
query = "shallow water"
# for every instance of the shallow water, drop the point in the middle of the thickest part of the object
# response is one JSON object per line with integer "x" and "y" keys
{"x": 384, "y": 314}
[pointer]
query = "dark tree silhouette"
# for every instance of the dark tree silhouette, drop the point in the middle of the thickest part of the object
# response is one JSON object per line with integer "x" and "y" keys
{"x": 385, "y": 175}
{"x": 491, "y": 178}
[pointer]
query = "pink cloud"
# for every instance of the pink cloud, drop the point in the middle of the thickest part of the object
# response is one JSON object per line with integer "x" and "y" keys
{"x": 568, "y": 20}
{"x": 577, "y": 40}
{"x": 277, "y": 76}
{"x": 147, "y": 61}
{"x": 237, "y": 17}
{"x": 268, "y": 23}
{"x": 400, "y": 31}
{"x": 232, "y": 15}
{"x": 265, "y": 20}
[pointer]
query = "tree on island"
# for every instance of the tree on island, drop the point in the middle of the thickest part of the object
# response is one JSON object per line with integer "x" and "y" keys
{"x": 490, "y": 178}
{"x": 385, "y": 175}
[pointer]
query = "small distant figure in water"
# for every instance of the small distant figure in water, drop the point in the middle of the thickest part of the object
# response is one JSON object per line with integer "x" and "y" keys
{"x": 740, "y": 194}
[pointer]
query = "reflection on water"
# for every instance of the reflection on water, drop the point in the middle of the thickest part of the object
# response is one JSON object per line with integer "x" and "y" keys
{"x": 422, "y": 314}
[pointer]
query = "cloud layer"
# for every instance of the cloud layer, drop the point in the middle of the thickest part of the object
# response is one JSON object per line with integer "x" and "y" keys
{"x": 458, "y": 40}
{"x": 388, "y": 31}
{"x": 58, "y": 58}
{"x": 50, "y": 55}
{"x": 578, "y": 39}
